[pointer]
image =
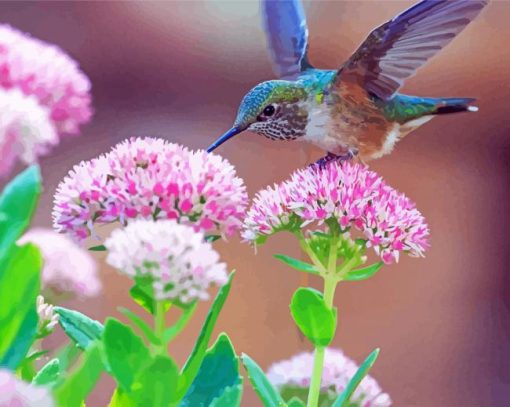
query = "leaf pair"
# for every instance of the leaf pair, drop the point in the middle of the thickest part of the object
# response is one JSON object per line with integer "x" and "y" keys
{"x": 353, "y": 275}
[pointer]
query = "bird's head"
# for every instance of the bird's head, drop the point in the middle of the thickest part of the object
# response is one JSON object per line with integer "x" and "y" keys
{"x": 275, "y": 109}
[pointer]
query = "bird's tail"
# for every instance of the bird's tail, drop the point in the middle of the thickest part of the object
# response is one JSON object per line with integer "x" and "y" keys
{"x": 454, "y": 105}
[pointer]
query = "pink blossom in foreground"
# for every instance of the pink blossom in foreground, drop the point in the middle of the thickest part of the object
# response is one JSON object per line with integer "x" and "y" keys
{"x": 180, "y": 263}
{"x": 67, "y": 267}
{"x": 46, "y": 72}
{"x": 17, "y": 393}
{"x": 26, "y": 131}
{"x": 338, "y": 371}
{"x": 150, "y": 178}
{"x": 352, "y": 195}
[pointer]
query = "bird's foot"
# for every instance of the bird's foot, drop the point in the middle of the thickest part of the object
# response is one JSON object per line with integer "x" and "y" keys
{"x": 330, "y": 157}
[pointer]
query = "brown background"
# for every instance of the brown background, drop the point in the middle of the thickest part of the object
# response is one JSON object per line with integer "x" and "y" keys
{"x": 178, "y": 70}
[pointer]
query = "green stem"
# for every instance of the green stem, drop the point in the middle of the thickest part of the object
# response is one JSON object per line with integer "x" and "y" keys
{"x": 318, "y": 361}
{"x": 159, "y": 326}
{"x": 308, "y": 250}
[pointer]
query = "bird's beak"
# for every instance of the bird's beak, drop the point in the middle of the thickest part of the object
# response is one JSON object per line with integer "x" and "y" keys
{"x": 229, "y": 134}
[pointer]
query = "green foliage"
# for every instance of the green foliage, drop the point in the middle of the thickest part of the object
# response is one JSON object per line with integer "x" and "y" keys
{"x": 141, "y": 325}
{"x": 74, "y": 387}
{"x": 48, "y": 374}
{"x": 261, "y": 384}
{"x": 218, "y": 381}
{"x": 297, "y": 264}
{"x": 192, "y": 365}
{"x": 344, "y": 398}
{"x": 363, "y": 273}
{"x": 295, "y": 402}
{"x": 99, "y": 248}
{"x": 173, "y": 331}
{"x": 80, "y": 328}
{"x": 311, "y": 314}
{"x": 142, "y": 293}
{"x": 156, "y": 385}
{"x": 17, "y": 204}
{"x": 19, "y": 287}
{"x": 125, "y": 352}
{"x": 297, "y": 396}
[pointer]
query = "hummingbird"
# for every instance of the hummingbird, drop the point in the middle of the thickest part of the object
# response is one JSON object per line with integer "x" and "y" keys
{"x": 355, "y": 110}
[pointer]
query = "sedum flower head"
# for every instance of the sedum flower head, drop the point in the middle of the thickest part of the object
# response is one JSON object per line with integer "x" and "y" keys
{"x": 26, "y": 131}
{"x": 67, "y": 267}
{"x": 351, "y": 195}
{"x": 180, "y": 264}
{"x": 44, "y": 71}
{"x": 150, "y": 178}
{"x": 287, "y": 375}
{"x": 17, "y": 393}
{"x": 48, "y": 319}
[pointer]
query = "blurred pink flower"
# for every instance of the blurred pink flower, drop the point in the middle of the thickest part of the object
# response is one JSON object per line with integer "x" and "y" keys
{"x": 17, "y": 393}
{"x": 67, "y": 267}
{"x": 46, "y": 72}
{"x": 26, "y": 131}
{"x": 352, "y": 195}
{"x": 338, "y": 371}
{"x": 151, "y": 179}
{"x": 181, "y": 264}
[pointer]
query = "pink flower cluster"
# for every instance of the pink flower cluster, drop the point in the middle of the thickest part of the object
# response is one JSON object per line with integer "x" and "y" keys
{"x": 180, "y": 263}
{"x": 42, "y": 94}
{"x": 66, "y": 266}
{"x": 44, "y": 71}
{"x": 338, "y": 371}
{"x": 151, "y": 179}
{"x": 352, "y": 195}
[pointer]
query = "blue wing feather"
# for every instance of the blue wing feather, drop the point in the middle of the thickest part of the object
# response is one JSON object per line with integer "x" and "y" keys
{"x": 395, "y": 50}
{"x": 287, "y": 35}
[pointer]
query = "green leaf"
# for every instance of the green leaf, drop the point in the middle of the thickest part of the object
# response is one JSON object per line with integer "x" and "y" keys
{"x": 363, "y": 273}
{"x": 212, "y": 238}
{"x": 297, "y": 264}
{"x": 141, "y": 325}
{"x": 67, "y": 355}
{"x": 125, "y": 352}
{"x": 19, "y": 287}
{"x": 192, "y": 365}
{"x": 231, "y": 397}
{"x": 173, "y": 331}
{"x": 142, "y": 294}
{"x": 121, "y": 399}
{"x": 74, "y": 387}
{"x": 218, "y": 373}
{"x": 99, "y": 248}
{"x": 80, "y": 328}
{"x": 48, "y": 374}
{"x": 261, "y": 384}
{"x": 17, "y": 204}
{"x": 315, "y": 320}
{"x": 157, "y": 384}
{"x": 343, "y": 399}
{"x": 295, "y": 402}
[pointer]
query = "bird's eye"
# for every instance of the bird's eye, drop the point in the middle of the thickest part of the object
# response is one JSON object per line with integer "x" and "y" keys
{"x": 269, "y": 110}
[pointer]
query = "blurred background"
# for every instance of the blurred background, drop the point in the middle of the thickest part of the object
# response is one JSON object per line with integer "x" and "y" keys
{"x": 178, "y": 70}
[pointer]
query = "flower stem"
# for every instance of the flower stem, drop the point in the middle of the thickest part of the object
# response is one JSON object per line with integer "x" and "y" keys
{"x": 330, "y": 283}
{"x": 318, "y": 361}
{"x": 159, "y": 326}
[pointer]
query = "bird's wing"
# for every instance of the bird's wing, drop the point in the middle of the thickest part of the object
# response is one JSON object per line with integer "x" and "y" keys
{"x": 287, "y": 36}
{"x": 396, "y": 49}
